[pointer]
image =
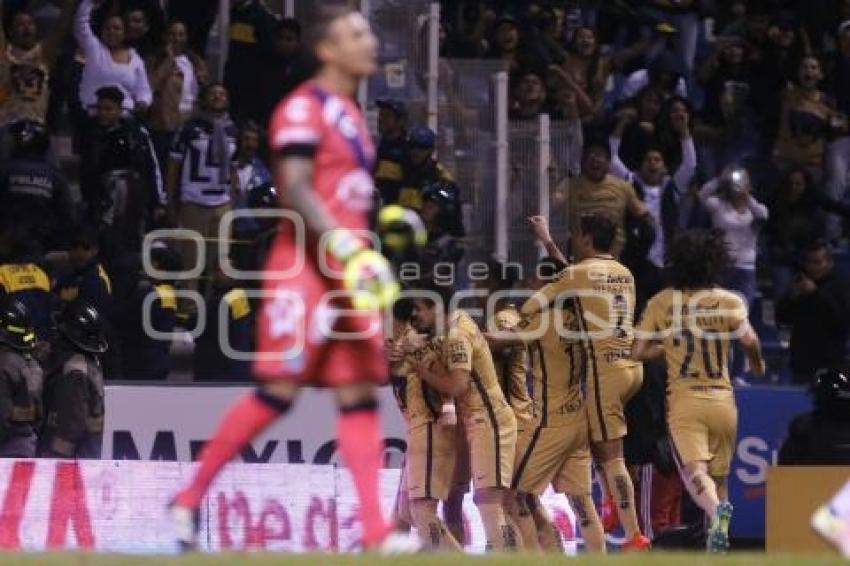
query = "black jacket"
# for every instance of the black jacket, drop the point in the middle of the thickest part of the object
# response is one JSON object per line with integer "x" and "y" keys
{"x": 819, "y": 325}
{"x": 34, "y": 197}
{"x": 816, "y": 440}
{"x": 73, "y": 405}
{"x": 115, "y": 160}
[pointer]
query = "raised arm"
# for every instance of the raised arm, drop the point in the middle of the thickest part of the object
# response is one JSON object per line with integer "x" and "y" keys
{"x": 760, "y": 212}
{"x": 619, "y": 168}
{"x": 142, "y": 94}
{"x": 540, "y": 228}
{"x": 688, "y": 167}
{"x": 82, "y": 28}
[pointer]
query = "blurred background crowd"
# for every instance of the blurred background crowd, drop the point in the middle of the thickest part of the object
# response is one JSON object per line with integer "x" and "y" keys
{"x": 121, "y": 116}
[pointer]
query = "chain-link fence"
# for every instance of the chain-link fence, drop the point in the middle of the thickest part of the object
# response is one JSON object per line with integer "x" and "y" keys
{"x": 565, "y": 143}
{"x": 467, "y": 143}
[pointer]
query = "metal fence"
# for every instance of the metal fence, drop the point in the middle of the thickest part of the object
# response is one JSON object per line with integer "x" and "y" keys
{"x": 467, "y": 99}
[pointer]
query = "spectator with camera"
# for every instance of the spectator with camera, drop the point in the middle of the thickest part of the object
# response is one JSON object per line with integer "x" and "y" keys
{"x": 734, "y": 211}
{"x": 817, "y": 308}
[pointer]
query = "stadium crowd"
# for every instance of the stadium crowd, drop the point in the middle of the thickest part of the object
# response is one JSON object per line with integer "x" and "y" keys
{"x": 695, "y": 113}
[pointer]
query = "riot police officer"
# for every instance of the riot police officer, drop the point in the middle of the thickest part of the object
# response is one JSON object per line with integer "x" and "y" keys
{"x": 822, "y": 436}
{"x": 34, "y": 196}
{"x": 20, "y": 382}
{"x": 442, "y": 217}
{"x": 73, "y": 388}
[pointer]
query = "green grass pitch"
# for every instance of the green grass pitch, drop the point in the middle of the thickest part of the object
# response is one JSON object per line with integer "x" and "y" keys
{"x": 650, "y": 559}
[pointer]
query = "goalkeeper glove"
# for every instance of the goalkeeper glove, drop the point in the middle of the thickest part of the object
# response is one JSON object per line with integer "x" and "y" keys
{"x": 366, "y": 274}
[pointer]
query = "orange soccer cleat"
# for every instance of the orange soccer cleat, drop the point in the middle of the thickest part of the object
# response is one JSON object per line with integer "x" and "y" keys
{"x": 637, "y": 543}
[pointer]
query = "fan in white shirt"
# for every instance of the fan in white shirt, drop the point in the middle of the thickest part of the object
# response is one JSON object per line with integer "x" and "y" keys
{"x": 110, "y": 62}
{"x": 653, "y": 179}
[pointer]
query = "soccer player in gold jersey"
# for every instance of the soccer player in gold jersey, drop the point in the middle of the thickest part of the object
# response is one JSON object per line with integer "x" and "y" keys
{"x": 692, "y": 324}
{"x": 601, "y": 292}
{"x": 465, "y": 371}
{"x": 431, "y": 459}
{"x": 556, "y": 448}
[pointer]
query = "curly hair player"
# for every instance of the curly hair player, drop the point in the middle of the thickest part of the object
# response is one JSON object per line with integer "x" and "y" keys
{"x": 692, "y": 324}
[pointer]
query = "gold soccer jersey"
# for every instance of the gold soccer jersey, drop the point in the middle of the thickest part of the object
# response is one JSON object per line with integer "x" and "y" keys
{"x": 601, "y": 294}
{"x": 511, "y": 369}
{"x": 487, "y": 418}
{"x": 560, "y": 432}
{"x": 432, "y": 456}
{"x": 695, "y": 329}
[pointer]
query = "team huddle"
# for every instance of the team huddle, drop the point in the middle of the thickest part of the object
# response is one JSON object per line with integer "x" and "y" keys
{"x": 471, "y": 417}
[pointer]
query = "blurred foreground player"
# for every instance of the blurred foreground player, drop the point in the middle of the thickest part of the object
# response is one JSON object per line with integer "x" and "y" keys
{"x": 692, "y": 324}
{"x": 322, "y": 158}
{"x": 832, "y": 521}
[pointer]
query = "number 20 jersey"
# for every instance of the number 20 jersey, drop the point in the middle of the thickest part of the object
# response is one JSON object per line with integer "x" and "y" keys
{"x": 695, "y": 328}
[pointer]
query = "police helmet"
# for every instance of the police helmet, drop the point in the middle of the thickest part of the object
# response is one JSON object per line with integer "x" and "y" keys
{"x": 29, "y": 137}
{"x": 82, "y": 326}
{"x": 444, "y": 194}
{"x": 832, "y": 392}
{"x": 16, "y": 329}
{"x": 263, "y": 196}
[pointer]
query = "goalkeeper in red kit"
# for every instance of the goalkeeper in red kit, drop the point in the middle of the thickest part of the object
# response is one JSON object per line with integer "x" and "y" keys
{"x": 320, "y": 323}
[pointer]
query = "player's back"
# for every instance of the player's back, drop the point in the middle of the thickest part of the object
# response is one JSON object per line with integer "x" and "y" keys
{"x": 511, "y": 367}
{"x": 418, "y": 402}
{"x": 557, "y": 362}
{"x": 696, "y": 328}
{"x": 465, "y": 346}
{"x": 605, "y": 306}
{"x": 329, "y": 129}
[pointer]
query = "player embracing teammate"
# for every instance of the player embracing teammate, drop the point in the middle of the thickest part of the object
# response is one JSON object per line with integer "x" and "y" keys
{"x": 583, "y": 357}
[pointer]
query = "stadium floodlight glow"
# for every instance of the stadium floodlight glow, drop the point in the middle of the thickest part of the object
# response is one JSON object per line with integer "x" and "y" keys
{"x": 224, "y": 237}
{"x": 160, "y": 234}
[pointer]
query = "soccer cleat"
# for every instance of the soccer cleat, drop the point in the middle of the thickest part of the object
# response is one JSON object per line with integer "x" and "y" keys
{"x": 187, "y": 525}
{"x": 396, "y": 543}
{"x": 608, "y": 515}
{"x": 833, "y": 528}
{"x": 637, "y": 543}
{"x": 717, "y": 540}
